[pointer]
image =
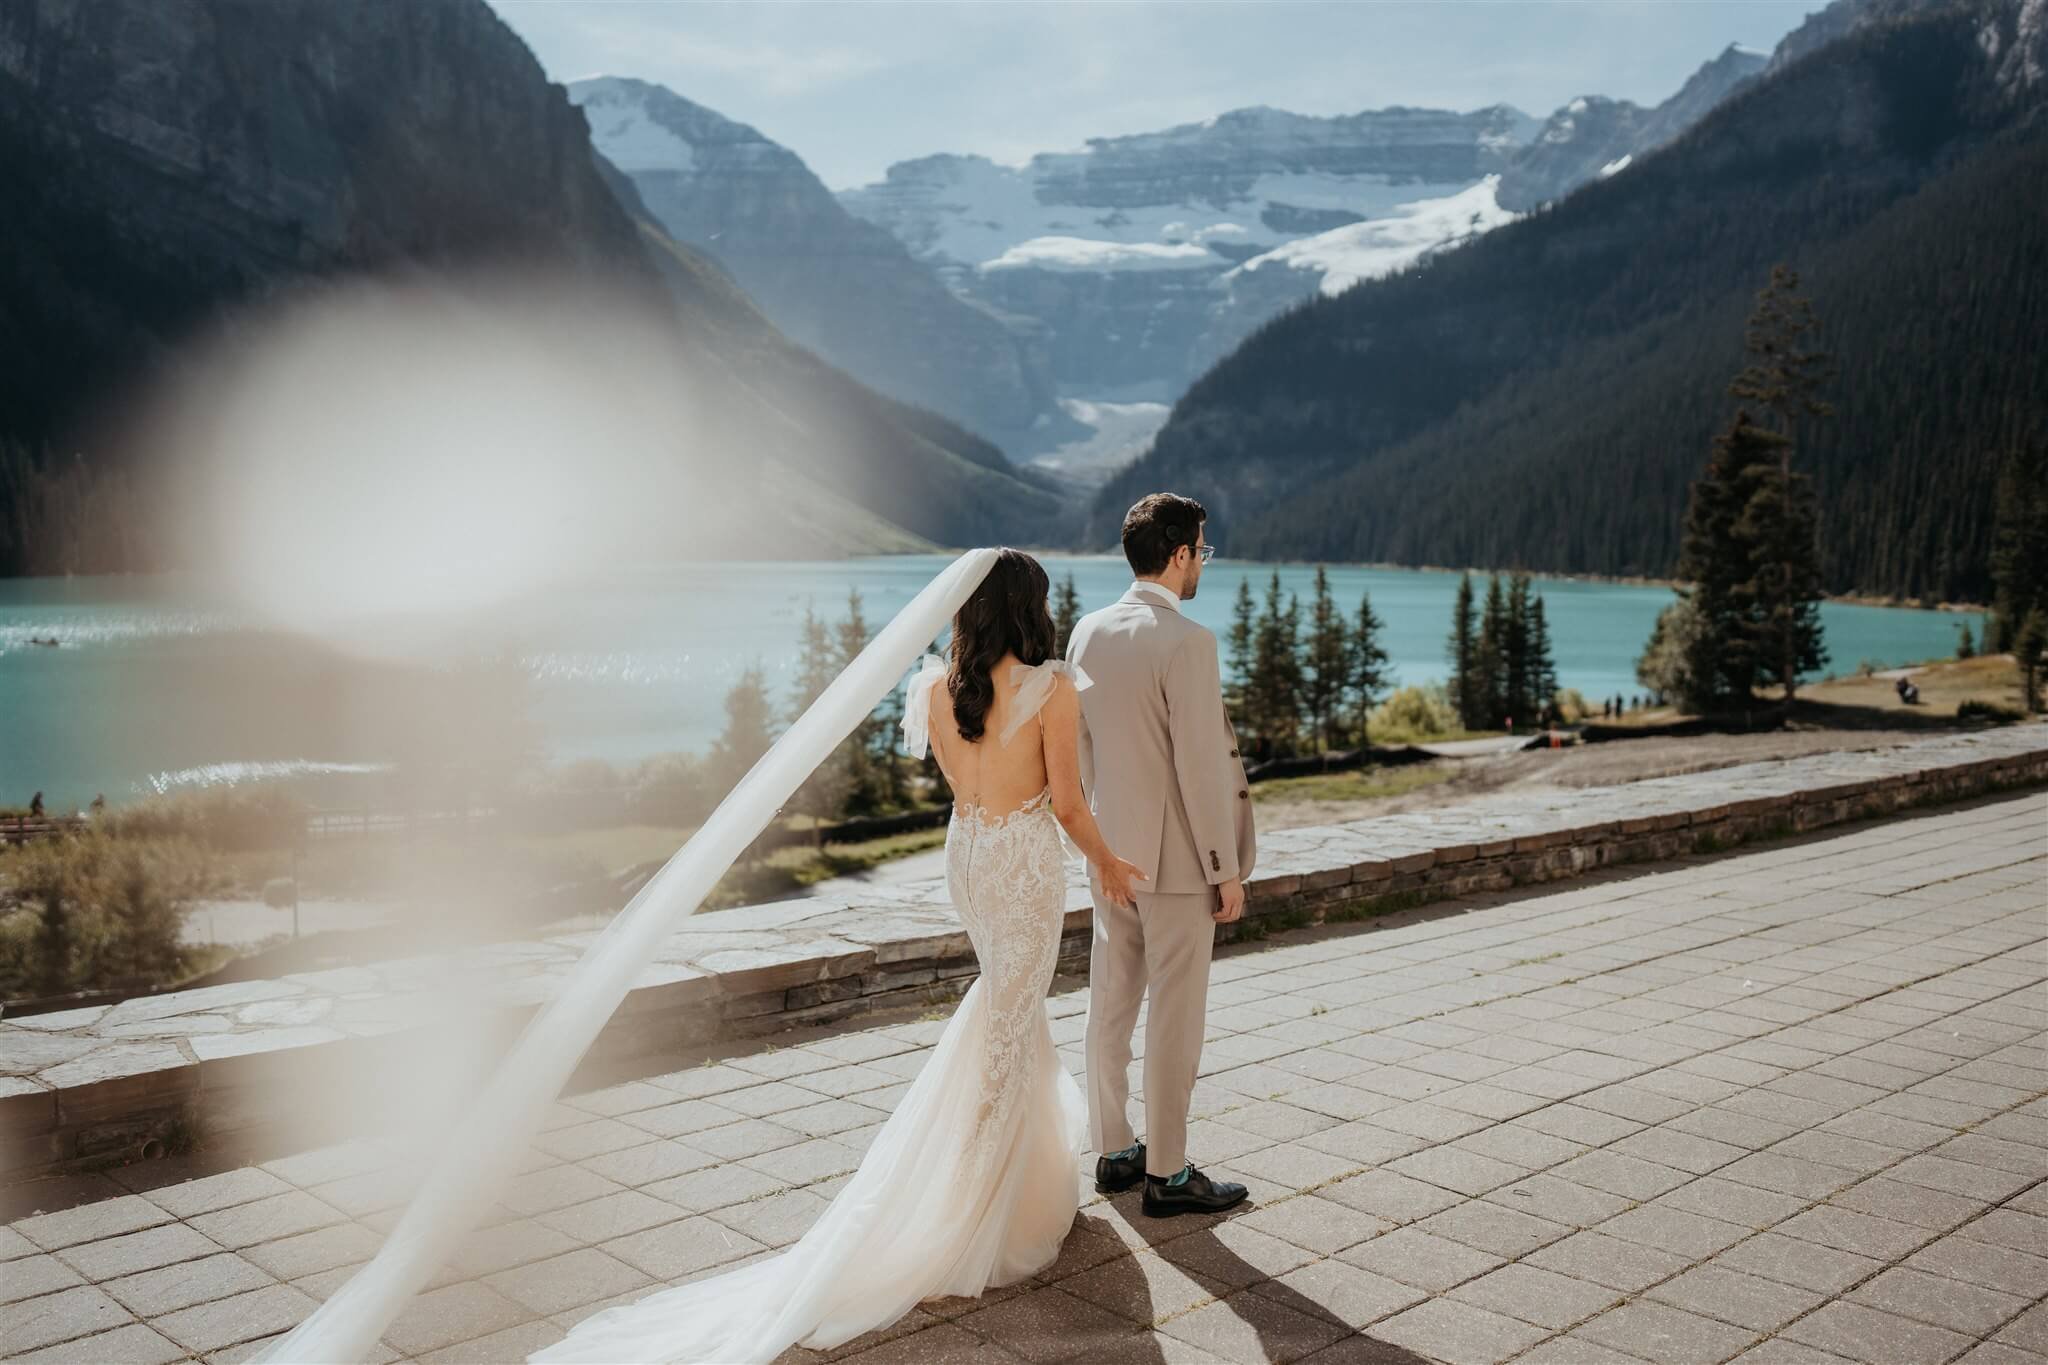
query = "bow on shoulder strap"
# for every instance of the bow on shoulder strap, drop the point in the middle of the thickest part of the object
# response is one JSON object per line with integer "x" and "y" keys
{"x": 1034, "y": 689}
{"x": 917, "y": 705}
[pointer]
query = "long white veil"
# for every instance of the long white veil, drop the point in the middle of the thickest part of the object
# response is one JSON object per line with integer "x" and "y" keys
{"x": 481, "y": 1152}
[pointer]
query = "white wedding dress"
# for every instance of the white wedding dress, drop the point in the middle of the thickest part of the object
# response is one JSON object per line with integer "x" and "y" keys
{"x": 972, "y": 1183}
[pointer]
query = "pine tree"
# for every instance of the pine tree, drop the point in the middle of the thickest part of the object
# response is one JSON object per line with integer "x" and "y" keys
{"x": 1242, "y": 635}
{"x": 1488, "y": 678}
{"x": 1785, "y": 373}
{"x": 1463, "y": 653}
{"x": 1780, "y": 521}
{"x": 749, "y": 727}
{"x": 1518, "y": 688}
{"x": 1368, "y": 665}
{"x": 1066, "y": 614}
{"x": 1784, "y": 583}
{"x": 823, "y": 794}
{"x": 1327, "y": 677}
{"x": 1718, "y": 560}
{"x": 2019, "y": 545}
{"x": 865, "y": 790}
{"x": 1542, "y": 667}
{"x": 1966, "y": 648}
{"x": 2030, "y": 651}
{"x": 1273, "y": 691}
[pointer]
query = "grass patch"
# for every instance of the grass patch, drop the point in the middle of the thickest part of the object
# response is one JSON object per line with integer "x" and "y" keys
{"x": 1366, "y": 784}
{"x": 792, "y": 869}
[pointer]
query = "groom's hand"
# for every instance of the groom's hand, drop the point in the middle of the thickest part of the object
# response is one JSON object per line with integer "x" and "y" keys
{"x": 1229, "y": 901}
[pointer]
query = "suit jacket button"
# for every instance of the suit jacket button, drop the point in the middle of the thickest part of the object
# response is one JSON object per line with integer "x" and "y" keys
{"x": 1215, "y": 863}
{"x": 1244, "y": 796}
{"x": 1233, "y": 753}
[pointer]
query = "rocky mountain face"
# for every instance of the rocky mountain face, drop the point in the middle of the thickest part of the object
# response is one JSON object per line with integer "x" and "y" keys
{"x": 1144, "y": 260}
{"x": 830, "y": 281}
{"x": 1593, "y": 137}
{"x": 173, "y": 166}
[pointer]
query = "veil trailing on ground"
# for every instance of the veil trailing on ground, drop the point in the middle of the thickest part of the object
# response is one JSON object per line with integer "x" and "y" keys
{"x": 481, "y": 1153}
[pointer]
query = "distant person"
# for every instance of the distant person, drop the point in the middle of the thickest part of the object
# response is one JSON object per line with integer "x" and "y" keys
{"x": 98, "y": 806}
{"x": 35, "y": 805}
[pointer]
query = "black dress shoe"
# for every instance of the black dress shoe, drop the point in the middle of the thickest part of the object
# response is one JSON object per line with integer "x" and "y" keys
{"x": 1197, "y": 1194}
{"x": 1114, "y": 1175}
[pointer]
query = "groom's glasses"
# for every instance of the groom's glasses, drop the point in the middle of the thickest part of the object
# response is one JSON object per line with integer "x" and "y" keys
{"x": 1207, "y": 552}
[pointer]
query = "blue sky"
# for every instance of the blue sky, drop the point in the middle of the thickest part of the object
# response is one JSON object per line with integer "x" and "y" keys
{"x": 856, "y": 85}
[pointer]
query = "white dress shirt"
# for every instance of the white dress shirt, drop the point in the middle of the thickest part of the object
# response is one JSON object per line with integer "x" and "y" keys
{"x": 1159, "y": 592}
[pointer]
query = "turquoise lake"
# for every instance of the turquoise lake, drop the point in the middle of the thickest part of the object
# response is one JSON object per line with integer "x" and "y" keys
{"x": 159, "y": 683}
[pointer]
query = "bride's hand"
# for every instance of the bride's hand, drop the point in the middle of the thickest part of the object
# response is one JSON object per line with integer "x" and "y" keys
{"x": 1116, "y": 877}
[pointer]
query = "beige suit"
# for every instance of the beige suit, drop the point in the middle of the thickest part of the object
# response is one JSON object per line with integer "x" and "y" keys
{"x": 1160, "y": 765}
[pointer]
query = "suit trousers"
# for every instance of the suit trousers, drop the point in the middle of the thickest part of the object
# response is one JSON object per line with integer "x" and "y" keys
{"x": 1160, "y": 949}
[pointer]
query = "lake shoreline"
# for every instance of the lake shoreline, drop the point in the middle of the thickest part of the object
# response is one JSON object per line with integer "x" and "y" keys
{"x": 1853, "y": 599}
{"x": 1563, "y": 576}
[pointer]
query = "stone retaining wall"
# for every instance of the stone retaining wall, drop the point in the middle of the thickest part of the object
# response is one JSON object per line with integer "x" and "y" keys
{"x": 114, "y": 1082}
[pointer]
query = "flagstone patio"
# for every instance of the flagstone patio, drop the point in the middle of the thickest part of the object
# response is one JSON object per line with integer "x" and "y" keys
{"x": 1781, "y": 1105}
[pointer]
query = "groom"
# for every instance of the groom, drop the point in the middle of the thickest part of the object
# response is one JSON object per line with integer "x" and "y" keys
{"x": 1160, "y": 765}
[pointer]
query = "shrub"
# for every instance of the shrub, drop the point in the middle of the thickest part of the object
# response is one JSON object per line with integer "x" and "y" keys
{"x": 1413, "y": 713}
{"x": 91, "y": 911}
{"x": 1976, "y": 708}
{"x": 225, "y": 819}
{"x": 672, "y": 789}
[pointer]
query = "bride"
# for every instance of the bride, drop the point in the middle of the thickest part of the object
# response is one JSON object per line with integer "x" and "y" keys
{"x": 972, "y": 1183}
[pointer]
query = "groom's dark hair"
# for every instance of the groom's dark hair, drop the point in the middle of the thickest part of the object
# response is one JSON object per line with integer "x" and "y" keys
{"x": 1156, "y": 526}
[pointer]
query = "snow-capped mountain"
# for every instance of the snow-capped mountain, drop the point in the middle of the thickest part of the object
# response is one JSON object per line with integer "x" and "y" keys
{"x": 1147, "y": 258}
{"x": 1128, "y": 252}
{"x": 830, "y": 281}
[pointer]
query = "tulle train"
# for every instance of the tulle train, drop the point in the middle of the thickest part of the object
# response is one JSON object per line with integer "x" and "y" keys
{"x": 924, "y": 1216}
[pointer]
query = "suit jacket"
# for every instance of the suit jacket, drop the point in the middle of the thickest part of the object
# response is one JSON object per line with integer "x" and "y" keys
{"x": 1159, "y": 759}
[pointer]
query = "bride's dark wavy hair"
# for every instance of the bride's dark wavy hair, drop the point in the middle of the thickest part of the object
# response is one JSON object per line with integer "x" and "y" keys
{"x": 1006, "y": 615}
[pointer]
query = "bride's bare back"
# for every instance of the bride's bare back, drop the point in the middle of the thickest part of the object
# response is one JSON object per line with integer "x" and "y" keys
{"x": 987, "y": 775}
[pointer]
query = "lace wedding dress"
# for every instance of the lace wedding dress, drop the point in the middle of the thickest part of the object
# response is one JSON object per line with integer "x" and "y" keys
{"x": 972, "y": 1183}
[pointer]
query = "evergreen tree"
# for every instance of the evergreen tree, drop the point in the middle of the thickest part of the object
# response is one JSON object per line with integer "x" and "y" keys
{"x": 2030, "y": 651}
{"x": 1327, "y": 678}
{"x": 1488, "y": 678}
{"x": 868, "y": 746}
{"x": 1518, "y": 688}
{"x": 1243, "y": 630}
{"x": 1463, "y": 652}
{"x": 749, "y": 727}
{"x": 1785, "y": 373}
{"x": 2019, "y": 545}
{"x": 1784, "y": 583}
{"x": 1066, "y": 614}
{"x": 1783, "y": 379}
{"x": 1966, "y": 648}
{"x": 823, "y": 794}
{"x": 1542, "y": 667}
{"x": 1273, "y": 691}
{"x": 1718, "y": 558}
{"x": 1368, "y": 665}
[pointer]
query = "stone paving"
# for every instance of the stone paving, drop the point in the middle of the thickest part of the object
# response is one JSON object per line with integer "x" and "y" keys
{"x": 106, "y": 1081}
{"x": 1783, "y": 1105}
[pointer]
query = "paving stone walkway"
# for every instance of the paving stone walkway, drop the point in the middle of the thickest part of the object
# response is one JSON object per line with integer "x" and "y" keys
{"x": 1785, "y": 1105}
